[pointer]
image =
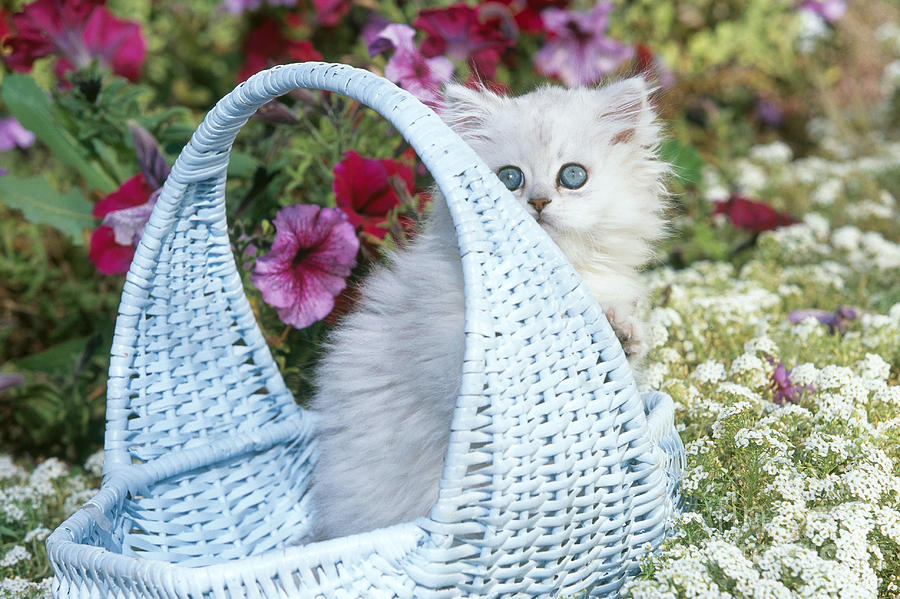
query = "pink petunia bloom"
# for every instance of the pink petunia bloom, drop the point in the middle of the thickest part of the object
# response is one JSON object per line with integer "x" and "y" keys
{"x": 752, "y": 215}
{"x": 527, "y": 13}
{"x": 464, "y": 33}
{"x": 829, "y": 10}
{"x": 363, "y": 190}
{"x": 312, "y": 256}
{"x": 77, "y": 31}
{"x": 577, "y": 50}
{"x": 267, "y": 45}
{"x": 124, "y": 212}
{"x": 14, "y": 135}
{"x": 237, "y": 7}
{"x": 408, "y": 67}
{"x": 330, "y": 12}
{"x": 784, "y": 390}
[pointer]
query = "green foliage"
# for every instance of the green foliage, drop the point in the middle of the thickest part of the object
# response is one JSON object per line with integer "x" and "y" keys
{"x": 69, "y": 213}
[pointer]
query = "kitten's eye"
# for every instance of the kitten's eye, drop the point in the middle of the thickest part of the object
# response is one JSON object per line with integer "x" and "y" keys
{"x": 512, "y": 177}
{"x": 572, "y": 176}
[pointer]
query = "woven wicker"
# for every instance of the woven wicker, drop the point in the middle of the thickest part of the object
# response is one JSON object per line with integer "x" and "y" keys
{"x": 558, "y": 472}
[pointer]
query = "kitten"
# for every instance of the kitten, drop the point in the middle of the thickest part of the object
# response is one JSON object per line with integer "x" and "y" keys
{"x": 583, "y": 162}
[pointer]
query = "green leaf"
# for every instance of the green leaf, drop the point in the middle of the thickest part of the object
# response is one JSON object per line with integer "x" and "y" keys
{"x": 242, "y": 165}
{"x": 59, "y": 358}
{"x": 28, "y": 103}
{"x": 40, "y": 203}
{"x": 684, "y": 159}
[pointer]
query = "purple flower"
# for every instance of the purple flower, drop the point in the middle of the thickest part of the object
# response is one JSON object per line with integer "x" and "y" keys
{"x": 408, "y": 67}
{"x": 785, "y": 390}
{"x": 769, "y": 112}
{"x": 312, "y": 255}
{"x": 578, "y": 51}
{"x": 829, "y": 10}
{"x": 13, "y": 134}
{"x": 10, "y": 380}
{"x": 236, "y": 7}
{"x": 836, "y": 321}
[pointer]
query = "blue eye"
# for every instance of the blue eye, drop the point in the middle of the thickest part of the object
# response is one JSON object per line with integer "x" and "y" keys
{"x": 572, "y": 176}
{"x": 512, "y": 177}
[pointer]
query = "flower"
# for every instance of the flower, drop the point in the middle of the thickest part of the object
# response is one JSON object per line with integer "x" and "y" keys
{"x": 13, "y": 134}
{"x": 10, "y": 380}
{"x": 77, "y": 31}
{"x": 464, "y": 33}
{"x": 527, "y": 13}
{"x": 836, "y": 320}
{"x": 752, "y": 215}
{"x": 236, "y": 7}
{"x": 578, "y": 51}
{"x": 363, "y": 190}
{"x": 330, "y": 12}
{"x": 829, "y": 10}
{"x": 124, "y": 213}
{"x": 312, "y": 256}
{"x": 651, "y": 66}
{"x": 267, "y": 45}
{"x": 408, "y": 67}
{"x": 785, "y": 390}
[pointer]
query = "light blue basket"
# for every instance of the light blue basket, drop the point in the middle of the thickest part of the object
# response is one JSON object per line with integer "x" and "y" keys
{"x": 558, "y": 475}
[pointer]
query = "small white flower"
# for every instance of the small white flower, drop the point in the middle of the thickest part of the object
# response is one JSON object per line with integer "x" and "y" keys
{"x": 40, "y": 533}
{"x": 710, "y": 371}
{"x": 14, "y": 556}
{"x": 776, "y": 152}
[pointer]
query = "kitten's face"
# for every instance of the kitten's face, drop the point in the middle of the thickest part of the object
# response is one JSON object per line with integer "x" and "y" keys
{"x": 582, "y": 161}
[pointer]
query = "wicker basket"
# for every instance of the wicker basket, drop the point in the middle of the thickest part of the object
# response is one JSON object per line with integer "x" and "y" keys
{"x": 558, "y": 475}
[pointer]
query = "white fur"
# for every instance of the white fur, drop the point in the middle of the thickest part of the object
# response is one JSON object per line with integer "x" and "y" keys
{"x": 388, "y": 383}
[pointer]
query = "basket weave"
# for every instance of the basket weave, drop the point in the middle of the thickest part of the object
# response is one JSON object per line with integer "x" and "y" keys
{"x": 558, "y": 471}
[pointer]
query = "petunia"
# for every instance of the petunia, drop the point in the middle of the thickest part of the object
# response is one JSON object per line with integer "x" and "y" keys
{"x": 577, "y": 50}
{"x": 124, "y": 213}
{"x": 14, "y": 135}
{"x": 312, "y": 255}
{"x": 465, "y": 33}
{"x": 836, "y": 321}
{"x": 752, "y": 215}
{"x": 330, "y": 12}
{"x": 240, "y": 6}
{"x": 267, "y": 45}
{"x": 8, "y": 380}
{"x": 829, "y": 10}
{"x": 527, "y": 13}
{"x": 363, "y": 190}
{"x": 408, "y": 67}
{"x": 77, "y": 32}
{"x": 652, "y": 67}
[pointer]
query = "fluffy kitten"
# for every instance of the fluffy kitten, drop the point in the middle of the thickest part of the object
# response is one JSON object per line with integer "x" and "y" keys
{"x": 584, "y": 163}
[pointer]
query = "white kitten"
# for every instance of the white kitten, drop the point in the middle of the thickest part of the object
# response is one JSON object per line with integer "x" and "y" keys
{"x": 584, "y": 163}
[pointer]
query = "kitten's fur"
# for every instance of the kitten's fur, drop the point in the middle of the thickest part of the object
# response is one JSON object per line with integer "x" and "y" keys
{"x": 388, "y": 383}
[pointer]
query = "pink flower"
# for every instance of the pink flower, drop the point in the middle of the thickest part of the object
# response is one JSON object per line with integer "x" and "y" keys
{"x": 13, "y": 134}
{"x": 363, "y": 190}
{"x": 527, "y": 13}
{"x": 124, "y": 212}
{"x": 463, "y": 33}
{"x": 267, "y": 45}
{"x": 77, "y": 31}
{"x": 836, "y": 321}
{"x": 578, "y": 51}
{"x": 754, "y": 216}
{"x": 312, "y": 256}
{"x": 330, "y": 12}
{"x": 829, "y": 10}
{"x": 236, "y": 7}
{"x": 409, "y": 68}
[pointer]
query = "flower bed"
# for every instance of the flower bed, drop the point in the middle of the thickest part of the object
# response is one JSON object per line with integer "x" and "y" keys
{"x": 775, "y": 304}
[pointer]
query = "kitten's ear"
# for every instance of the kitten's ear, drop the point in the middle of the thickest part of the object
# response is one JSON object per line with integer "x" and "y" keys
{"x": 627, "y": 109}
{"x": 468, "y": 110}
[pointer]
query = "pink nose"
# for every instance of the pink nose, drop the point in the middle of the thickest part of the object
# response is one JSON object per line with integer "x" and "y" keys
{"x": 539, "y": 203}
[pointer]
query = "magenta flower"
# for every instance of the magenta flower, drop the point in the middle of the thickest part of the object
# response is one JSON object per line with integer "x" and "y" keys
{"x": 829, "y": 10}
{"x": 465, "y": 33}
{"x": 785, "y": 391}
{"x": 237, "y": 7}
{"x": 312, "y": 256}
{"x": 77, "y": 31}
{"x": 577, "y": 50}
{"x": 14, "y": 135}
{"x": 408, "y": 67}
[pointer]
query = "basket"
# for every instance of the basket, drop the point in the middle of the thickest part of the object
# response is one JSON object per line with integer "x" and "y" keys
{"x": 558, "y": 476}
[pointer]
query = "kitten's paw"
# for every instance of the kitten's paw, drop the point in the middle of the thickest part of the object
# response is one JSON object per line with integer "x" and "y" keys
{"x": 629, "y": 330}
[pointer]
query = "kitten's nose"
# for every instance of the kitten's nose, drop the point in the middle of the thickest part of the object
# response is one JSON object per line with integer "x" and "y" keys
{"x": 539, "y": 203}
